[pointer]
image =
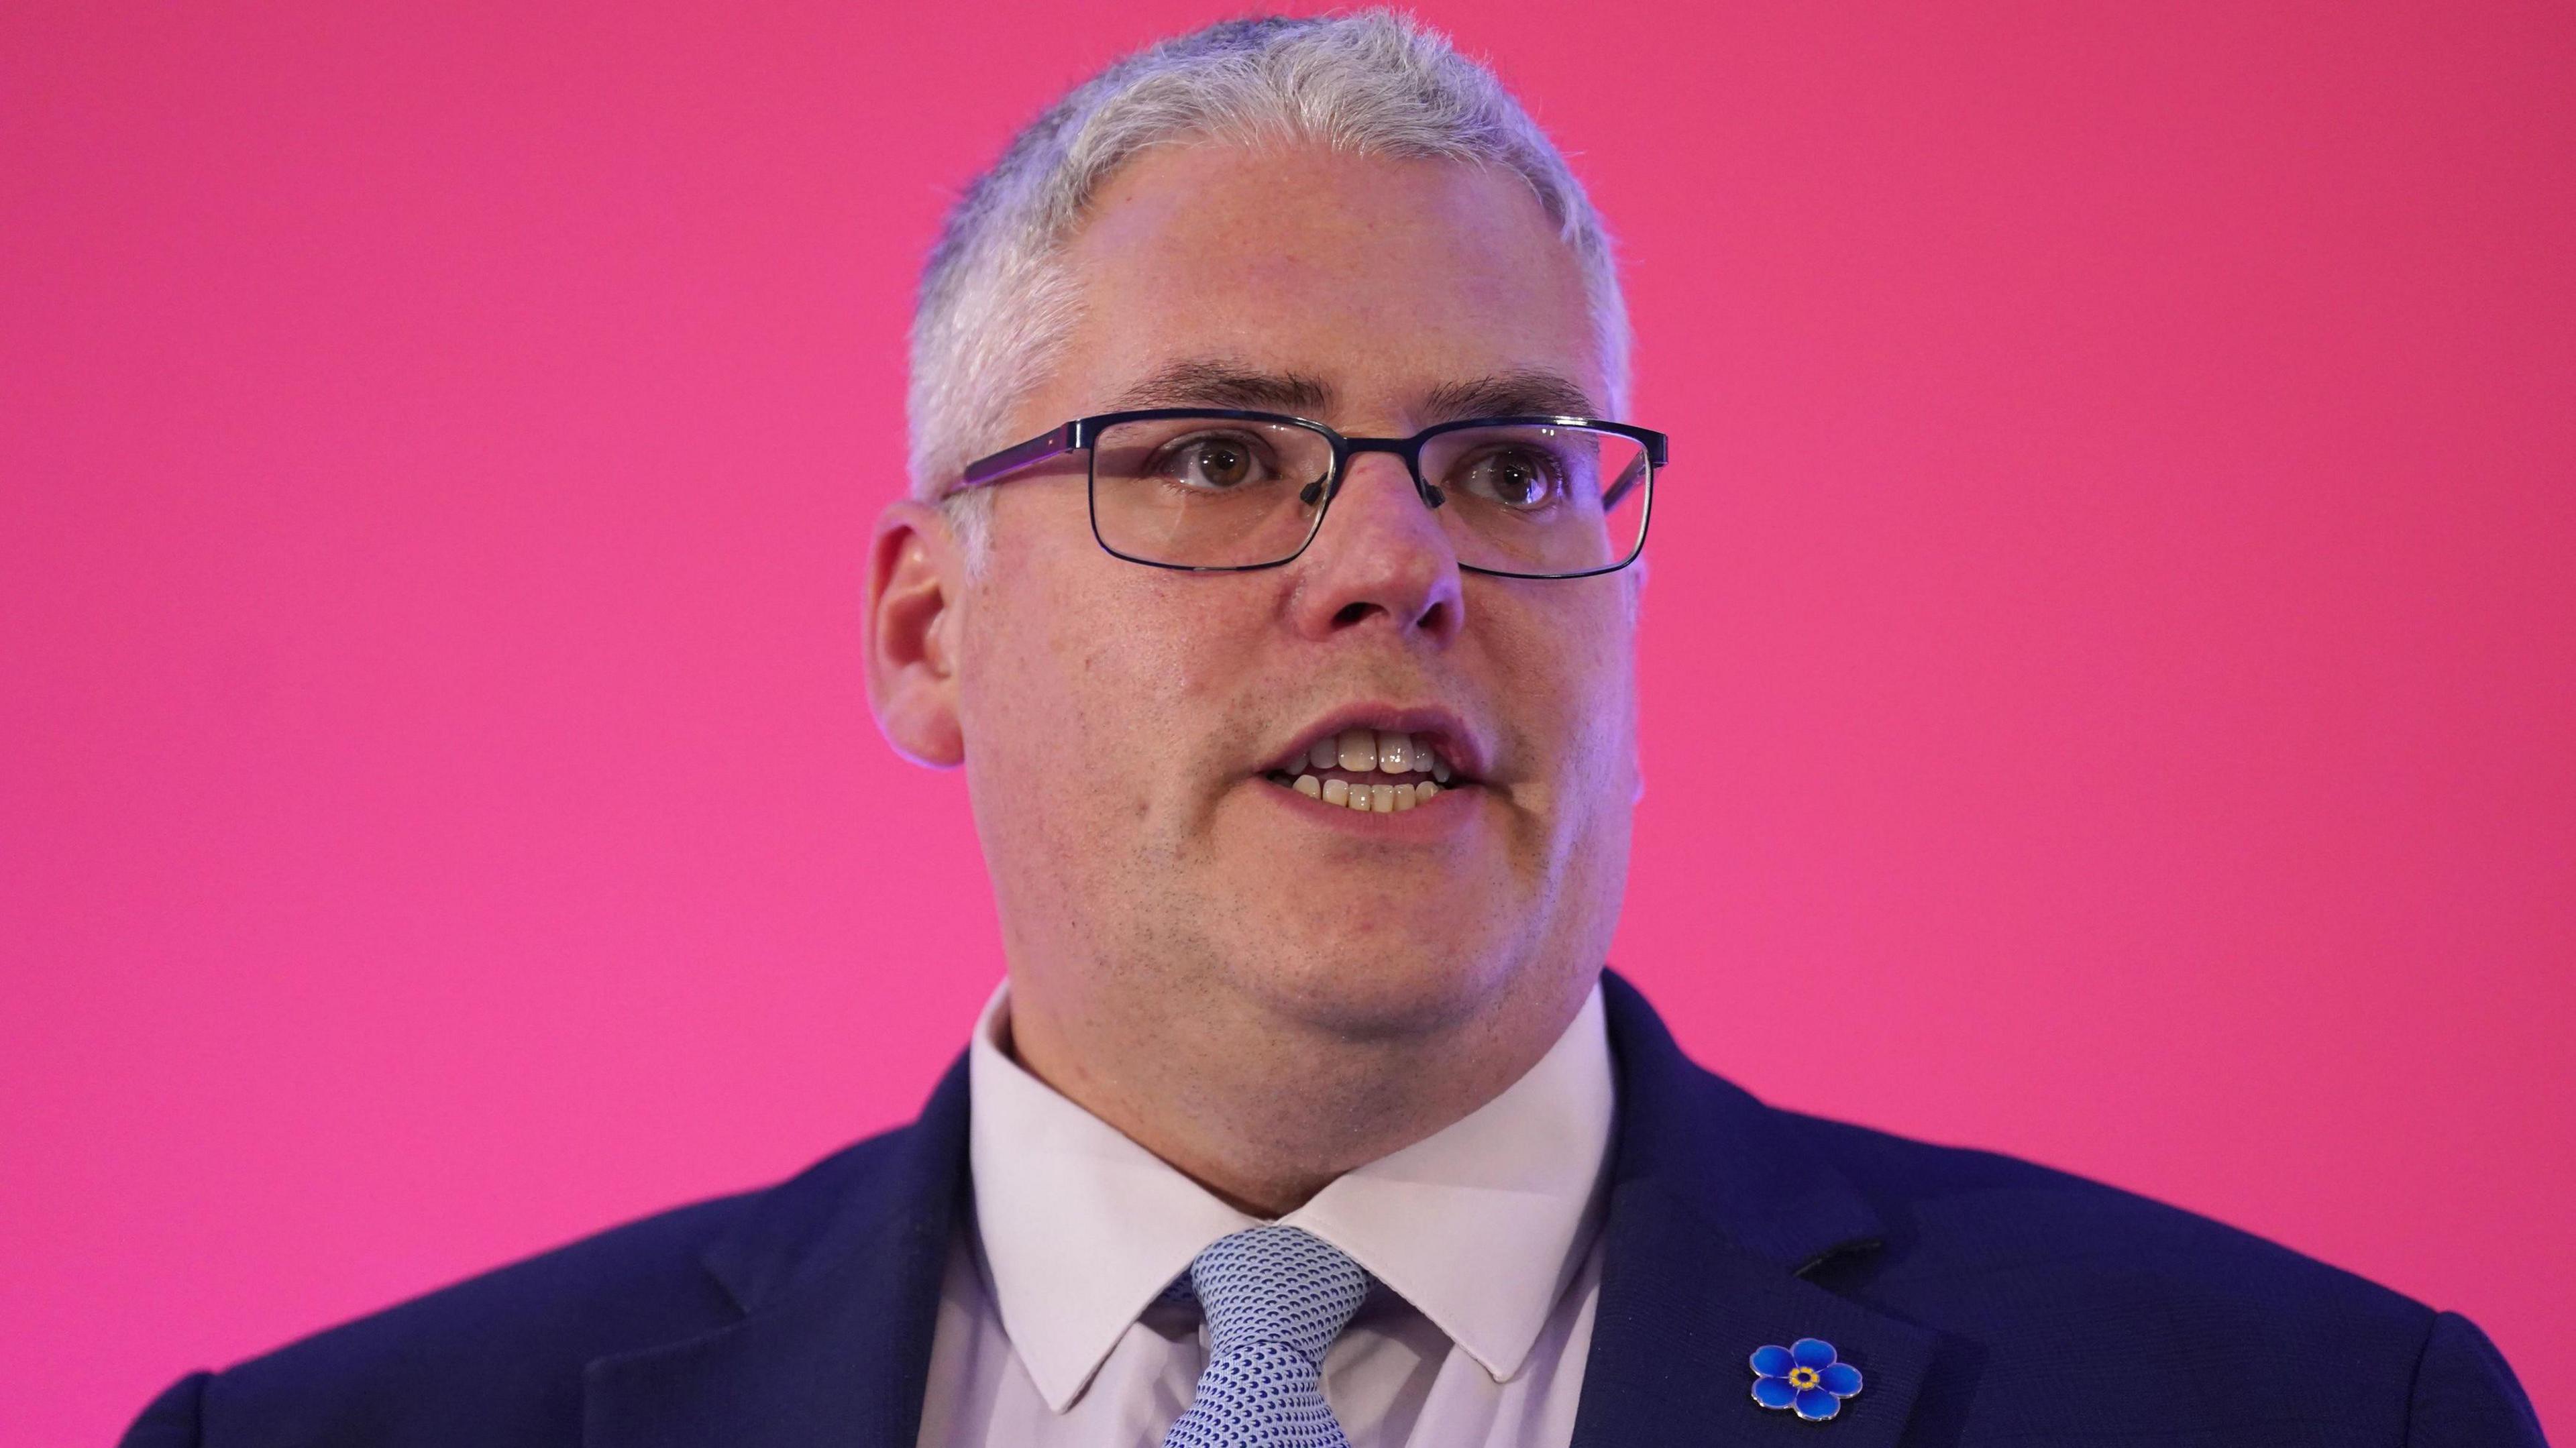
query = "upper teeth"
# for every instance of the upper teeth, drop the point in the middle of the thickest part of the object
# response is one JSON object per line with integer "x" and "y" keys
{"x": 1373, "y": 751}
{"x": 1384, "y": 751}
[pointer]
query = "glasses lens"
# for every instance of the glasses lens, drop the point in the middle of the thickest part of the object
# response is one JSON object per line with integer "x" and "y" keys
{"x": 1541, "y": 499}
{"x": 1207, "y": 492}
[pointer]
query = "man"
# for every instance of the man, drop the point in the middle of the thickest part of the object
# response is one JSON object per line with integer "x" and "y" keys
{"x": 1269, "y": 569}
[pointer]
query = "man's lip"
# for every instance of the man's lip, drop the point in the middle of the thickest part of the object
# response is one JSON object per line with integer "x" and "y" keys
{"x": 1447, "y": 731}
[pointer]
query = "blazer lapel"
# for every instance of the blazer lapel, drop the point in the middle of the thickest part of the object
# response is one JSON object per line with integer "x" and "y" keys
{"x": 837, "y": 1276}
{"x": 1717, "y": 1205}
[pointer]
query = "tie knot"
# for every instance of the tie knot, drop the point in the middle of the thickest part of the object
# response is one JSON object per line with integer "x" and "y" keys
{"x": 1278, "y": 1285}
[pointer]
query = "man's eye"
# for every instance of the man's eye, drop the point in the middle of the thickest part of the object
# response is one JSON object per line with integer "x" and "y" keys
{"x": 1526, "y": 479}
{"x": 1216, "y": 463}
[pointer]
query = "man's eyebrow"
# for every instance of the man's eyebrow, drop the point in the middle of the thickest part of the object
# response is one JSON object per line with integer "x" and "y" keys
{"x": 1205, "y": 382}
{"x": 1213, "y": 382}
{"x": 1509, "y": 394}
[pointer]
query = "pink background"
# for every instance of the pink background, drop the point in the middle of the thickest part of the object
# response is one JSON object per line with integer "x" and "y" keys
{"x": 2111, "y": 660}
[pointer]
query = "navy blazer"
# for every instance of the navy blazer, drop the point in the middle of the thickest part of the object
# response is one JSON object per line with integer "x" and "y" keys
{"x": 1985, "y": 1300}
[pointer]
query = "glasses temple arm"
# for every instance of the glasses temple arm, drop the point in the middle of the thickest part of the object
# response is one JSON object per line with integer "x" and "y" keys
{"x": 996, "y": 466}
{"x": 1627, "y": 480}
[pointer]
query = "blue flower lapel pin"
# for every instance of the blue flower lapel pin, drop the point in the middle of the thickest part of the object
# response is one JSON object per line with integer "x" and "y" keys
{"x": 1807, "y": 1376}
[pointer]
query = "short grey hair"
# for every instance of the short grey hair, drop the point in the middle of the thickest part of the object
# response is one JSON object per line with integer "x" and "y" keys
{"x": 995, "y": 303}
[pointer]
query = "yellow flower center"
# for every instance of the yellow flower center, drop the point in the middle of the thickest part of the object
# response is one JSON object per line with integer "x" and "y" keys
{"x": 1802, "y": 1378}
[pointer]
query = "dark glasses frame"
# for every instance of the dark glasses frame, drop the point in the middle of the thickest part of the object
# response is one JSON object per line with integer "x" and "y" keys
{"x": 1081, "y": 433}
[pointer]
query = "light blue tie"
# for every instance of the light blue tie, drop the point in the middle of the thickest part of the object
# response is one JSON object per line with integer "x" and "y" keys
{"x": 1275, "y": 1298}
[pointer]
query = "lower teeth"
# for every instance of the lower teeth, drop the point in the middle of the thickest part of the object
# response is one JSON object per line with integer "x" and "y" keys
{"x": 1367, "y": 798}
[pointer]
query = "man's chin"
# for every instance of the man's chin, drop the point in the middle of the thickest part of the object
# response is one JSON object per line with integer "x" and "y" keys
{"x": 1336, "y": 935}
{"x": 1375, "y": 983}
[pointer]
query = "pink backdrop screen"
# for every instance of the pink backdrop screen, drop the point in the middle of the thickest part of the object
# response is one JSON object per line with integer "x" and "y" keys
{"x": 2110, "y": 664}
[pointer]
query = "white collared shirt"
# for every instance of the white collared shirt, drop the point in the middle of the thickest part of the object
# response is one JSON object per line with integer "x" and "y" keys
{"x": 1483, "y": 1238}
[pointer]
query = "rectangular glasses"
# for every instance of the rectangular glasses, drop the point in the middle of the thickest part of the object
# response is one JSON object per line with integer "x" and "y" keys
{"x": 1219, "y": 489}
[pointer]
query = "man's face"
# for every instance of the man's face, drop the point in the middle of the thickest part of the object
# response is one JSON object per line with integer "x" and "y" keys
{"x": 1124, "y": 726}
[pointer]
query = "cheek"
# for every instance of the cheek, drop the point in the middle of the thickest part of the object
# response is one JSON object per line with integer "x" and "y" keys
{"x": 1569, "y": 676}
{"x": 1136, "y": 666}
{"x": 1098, "y": 690}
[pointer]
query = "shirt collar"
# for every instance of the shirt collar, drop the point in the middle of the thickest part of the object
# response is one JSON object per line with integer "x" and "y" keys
{"x": 1480, "y": 1226}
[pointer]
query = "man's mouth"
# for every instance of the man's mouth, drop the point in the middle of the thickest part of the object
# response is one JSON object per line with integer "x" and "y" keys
{"x": 1375, "y": 771}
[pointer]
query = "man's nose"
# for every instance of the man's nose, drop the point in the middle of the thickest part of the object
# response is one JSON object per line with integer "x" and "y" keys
{"x": 1381, "y": 556}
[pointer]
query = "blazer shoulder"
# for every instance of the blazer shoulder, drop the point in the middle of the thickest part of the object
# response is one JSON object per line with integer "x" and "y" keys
{"x": 2065, "y": 1289}
{"x": 1951, "y": 1208}
{"x": 498, "y": 1358}
{"x": 2071, "y": 1295}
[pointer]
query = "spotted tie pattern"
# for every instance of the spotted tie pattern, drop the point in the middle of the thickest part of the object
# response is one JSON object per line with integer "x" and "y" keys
{"x": 1275, "y": 1298}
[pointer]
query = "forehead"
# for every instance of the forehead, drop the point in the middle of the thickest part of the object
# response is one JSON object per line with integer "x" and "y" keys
{"x": 1386, "y": 278}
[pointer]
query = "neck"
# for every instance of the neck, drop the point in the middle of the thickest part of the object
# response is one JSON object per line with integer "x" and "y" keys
{"x": 1265, "y": 1108}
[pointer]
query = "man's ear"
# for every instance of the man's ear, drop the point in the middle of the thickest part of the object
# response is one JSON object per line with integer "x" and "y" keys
{"x": 916, "y": 581}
